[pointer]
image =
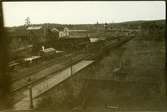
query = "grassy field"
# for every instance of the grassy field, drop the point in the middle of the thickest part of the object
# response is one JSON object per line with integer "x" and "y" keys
{"x": 140, "y": 82}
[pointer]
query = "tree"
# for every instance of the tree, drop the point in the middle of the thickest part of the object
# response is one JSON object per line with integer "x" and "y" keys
{"x": 27, "y": 22}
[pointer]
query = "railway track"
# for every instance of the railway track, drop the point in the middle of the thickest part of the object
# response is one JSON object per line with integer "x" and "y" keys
{"x": 37, "y": 67}
{"x": 17, "y": 76}
{"x": 38, "y": 75}
{"x": 38, "y": 78}
{"x": 66, "y": 64}
{"x": 18, "y": 94}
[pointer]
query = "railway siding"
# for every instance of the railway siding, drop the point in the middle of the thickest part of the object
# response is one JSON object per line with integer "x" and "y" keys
{"x": 22, "y": 83}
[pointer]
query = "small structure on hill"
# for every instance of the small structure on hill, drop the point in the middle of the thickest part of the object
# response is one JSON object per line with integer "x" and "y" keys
{"x": 67, "y": 33}
{"x": 64, "y": 33}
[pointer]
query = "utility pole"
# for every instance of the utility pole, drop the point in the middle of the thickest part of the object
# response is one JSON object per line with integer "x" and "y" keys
{"x": 71, "y": 62}
{"x": 27, "y": 24}
{"x": 30, "y": 93}
{"x": 45, "y": 30}
{"x": 71, "y": 67}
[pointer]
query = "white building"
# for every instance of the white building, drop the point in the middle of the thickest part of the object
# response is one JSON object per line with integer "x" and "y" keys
{"x": 64, "y": 33}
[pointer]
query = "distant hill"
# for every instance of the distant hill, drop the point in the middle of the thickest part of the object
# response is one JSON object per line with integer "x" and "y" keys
{"x": 90, "y": 26}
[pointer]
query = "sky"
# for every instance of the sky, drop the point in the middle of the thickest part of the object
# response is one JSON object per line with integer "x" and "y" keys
{"x": 79, "y": 12}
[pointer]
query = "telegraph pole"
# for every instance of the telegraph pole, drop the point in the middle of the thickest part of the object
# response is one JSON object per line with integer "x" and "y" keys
{"x": 27, "y": 24}
{"x": 30, "y": 93}
{"x": 71, "y": 67}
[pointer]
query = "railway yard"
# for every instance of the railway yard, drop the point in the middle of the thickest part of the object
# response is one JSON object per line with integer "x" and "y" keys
{"x": 92, "y": 72}
{"x": 44, "y": 70}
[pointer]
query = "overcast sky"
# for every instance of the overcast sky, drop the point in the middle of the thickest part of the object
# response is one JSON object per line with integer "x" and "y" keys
{"x": 79, "y": 12}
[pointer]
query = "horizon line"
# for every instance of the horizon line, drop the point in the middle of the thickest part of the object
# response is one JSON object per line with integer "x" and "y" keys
{"x": 86, "y": 23}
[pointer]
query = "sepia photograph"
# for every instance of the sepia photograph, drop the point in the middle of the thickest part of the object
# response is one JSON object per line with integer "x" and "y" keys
{"x": 83, "y": 56}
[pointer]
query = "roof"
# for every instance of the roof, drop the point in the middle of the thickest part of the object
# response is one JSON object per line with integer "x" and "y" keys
{"x": 54, "y": 29}
{"x": 48, "y": 50}
{"x": 94, "y": 39}
{"x": 59, "y": 51}
{"x": 34, "y": 27}
{"x": 78, "y": 30}
{"x": 31, "y": 58}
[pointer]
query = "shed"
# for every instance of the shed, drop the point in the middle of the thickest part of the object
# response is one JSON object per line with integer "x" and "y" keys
{"x": 34, "y": 28}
